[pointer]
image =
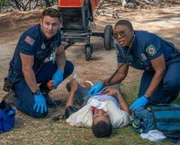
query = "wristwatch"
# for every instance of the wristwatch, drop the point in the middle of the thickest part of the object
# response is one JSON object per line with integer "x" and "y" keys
{"x": 146, "y": 96}
{"x": 37, "y": 92}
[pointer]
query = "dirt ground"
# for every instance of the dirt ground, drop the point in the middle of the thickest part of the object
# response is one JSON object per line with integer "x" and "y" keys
{"x": 165, "y": 22}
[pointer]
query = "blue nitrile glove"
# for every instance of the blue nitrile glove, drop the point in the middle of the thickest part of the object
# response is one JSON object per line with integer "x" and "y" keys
{"x": 40, "y": 103}
{"x": 11, "y": 112}
{"x": 140, "y": 102}
{"x": 95, "y": 89}
{"x": 57, "y": 77}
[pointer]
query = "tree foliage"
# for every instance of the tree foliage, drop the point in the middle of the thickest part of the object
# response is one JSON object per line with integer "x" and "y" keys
{"x": 139, "y": 3}
{"x": 24, "y": 5}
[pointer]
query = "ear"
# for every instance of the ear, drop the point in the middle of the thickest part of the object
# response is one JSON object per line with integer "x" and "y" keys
{"x": 132, "y": 33}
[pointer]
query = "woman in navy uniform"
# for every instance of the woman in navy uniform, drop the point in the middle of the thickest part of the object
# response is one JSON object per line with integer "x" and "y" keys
{"x": 159, "y": 59}
{"x": 39, "y": 57}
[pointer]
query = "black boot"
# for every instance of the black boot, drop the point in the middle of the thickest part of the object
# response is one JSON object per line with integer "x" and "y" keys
{"x": 49, "y": 100}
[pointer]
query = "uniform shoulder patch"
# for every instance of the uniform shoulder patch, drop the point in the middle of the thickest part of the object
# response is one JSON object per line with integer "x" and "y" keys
{"x": 29, "y": 40}
{"x": 151, "y": 50}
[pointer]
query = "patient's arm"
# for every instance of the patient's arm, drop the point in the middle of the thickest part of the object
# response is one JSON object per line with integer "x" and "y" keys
{"x": 70, "y": 109}
{"x": 123, "y": 104}
{"x": 74, "y": 86}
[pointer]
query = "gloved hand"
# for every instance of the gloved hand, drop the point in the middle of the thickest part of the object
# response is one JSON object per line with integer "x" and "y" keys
{"x": 140, "y": 102}
{"x": 95, "y": 89}
{"x": 40, "y": 103}
{"x": 57, "y": 77}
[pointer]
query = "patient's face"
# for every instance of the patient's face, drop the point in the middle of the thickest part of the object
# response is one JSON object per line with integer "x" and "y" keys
{"x": 101, "y": 115}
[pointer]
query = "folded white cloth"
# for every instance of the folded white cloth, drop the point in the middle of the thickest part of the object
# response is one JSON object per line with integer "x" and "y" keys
{"x": 96, "y": 103}
{"x": 144, "y": 135}
{"x": 153, "y": 135}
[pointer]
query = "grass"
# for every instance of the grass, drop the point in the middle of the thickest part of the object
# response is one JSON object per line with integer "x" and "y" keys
{"x": 29, "y": 131}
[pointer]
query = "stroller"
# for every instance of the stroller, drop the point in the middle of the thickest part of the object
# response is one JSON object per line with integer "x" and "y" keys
{"x": 77, "y": 15}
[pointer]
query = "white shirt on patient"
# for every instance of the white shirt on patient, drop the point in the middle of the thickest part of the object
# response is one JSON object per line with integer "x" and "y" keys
{"x": 84, "y": 116}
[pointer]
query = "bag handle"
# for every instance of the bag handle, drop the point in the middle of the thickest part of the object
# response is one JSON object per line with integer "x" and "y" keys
{"x": 7, "y": 109}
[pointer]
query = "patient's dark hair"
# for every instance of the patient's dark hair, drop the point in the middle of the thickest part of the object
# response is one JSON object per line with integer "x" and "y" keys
{"x": 124, "y": 22}
{"x": 102, "y": 129}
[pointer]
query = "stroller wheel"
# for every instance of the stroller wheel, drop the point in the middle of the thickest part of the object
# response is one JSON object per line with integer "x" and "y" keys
{"x": 88, "y": 56}
{"x": 108, "y": 41}
{"x": 88, "y": 52}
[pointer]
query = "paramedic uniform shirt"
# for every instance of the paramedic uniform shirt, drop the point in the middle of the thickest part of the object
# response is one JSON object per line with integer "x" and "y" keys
{"x": 146, "y": 47}
{"x": 34, "y": 43}
{"x": 84, "y": 116}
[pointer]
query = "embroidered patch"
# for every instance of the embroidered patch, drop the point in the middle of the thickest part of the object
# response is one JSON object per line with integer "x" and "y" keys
{"x": 143, "y": 56}
{"x": 151, "y": 50}
{"x": 29, "y": 40}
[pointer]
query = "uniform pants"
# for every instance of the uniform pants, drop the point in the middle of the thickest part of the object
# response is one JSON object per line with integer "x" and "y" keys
{"x": 168, "y": 88}
{"x": 24, "y": 97}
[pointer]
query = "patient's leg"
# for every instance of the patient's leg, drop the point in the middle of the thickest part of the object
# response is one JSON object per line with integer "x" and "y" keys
{"x": 81, "y": 95}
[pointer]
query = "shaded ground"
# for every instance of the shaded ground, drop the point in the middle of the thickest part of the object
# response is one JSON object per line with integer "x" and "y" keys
{"x": 165, "y": 22}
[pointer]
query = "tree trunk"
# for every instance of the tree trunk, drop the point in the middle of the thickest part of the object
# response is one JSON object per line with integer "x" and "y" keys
{"x": 17, "y": 4}
{"x": 48, "y": 4}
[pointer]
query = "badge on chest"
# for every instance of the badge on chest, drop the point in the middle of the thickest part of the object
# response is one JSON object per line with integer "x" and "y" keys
{"x": 43, "y": 46}
{"x": 143, "y": 56}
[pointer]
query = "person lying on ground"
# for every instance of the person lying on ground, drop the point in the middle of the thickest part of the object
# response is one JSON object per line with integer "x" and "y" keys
{"x": 101, "y": 112}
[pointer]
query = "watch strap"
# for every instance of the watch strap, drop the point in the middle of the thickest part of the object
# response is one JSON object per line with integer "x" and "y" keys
{"x": 37, "y": 92}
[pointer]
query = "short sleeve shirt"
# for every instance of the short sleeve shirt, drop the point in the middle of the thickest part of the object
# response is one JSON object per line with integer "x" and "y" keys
{"x": 146, "y": 47}
{"x": 84, "y": 116}
{"x": 30, "y": 43}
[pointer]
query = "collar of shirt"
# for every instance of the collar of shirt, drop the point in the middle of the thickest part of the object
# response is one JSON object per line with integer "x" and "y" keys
{"x": 132, "y": 42}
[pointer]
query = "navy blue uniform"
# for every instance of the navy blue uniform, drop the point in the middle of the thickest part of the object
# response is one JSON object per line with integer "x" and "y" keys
{"x": 34, "y": 43}
{"x": 146, "y": 47}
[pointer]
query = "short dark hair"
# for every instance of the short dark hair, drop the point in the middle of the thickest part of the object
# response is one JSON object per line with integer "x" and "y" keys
{"x": 124, "y": 22}
{"x": 102, "y": 129}
{"x": 52, "y": 12}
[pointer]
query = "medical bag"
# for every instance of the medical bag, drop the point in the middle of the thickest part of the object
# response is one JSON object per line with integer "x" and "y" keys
{"x": 7, "y": 117}
{"x": 165, "y": 118}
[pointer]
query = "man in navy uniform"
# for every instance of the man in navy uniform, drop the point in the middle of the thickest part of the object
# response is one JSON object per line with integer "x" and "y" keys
{"x": 159, "y": 59}
{"x": 39, "y": 57}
